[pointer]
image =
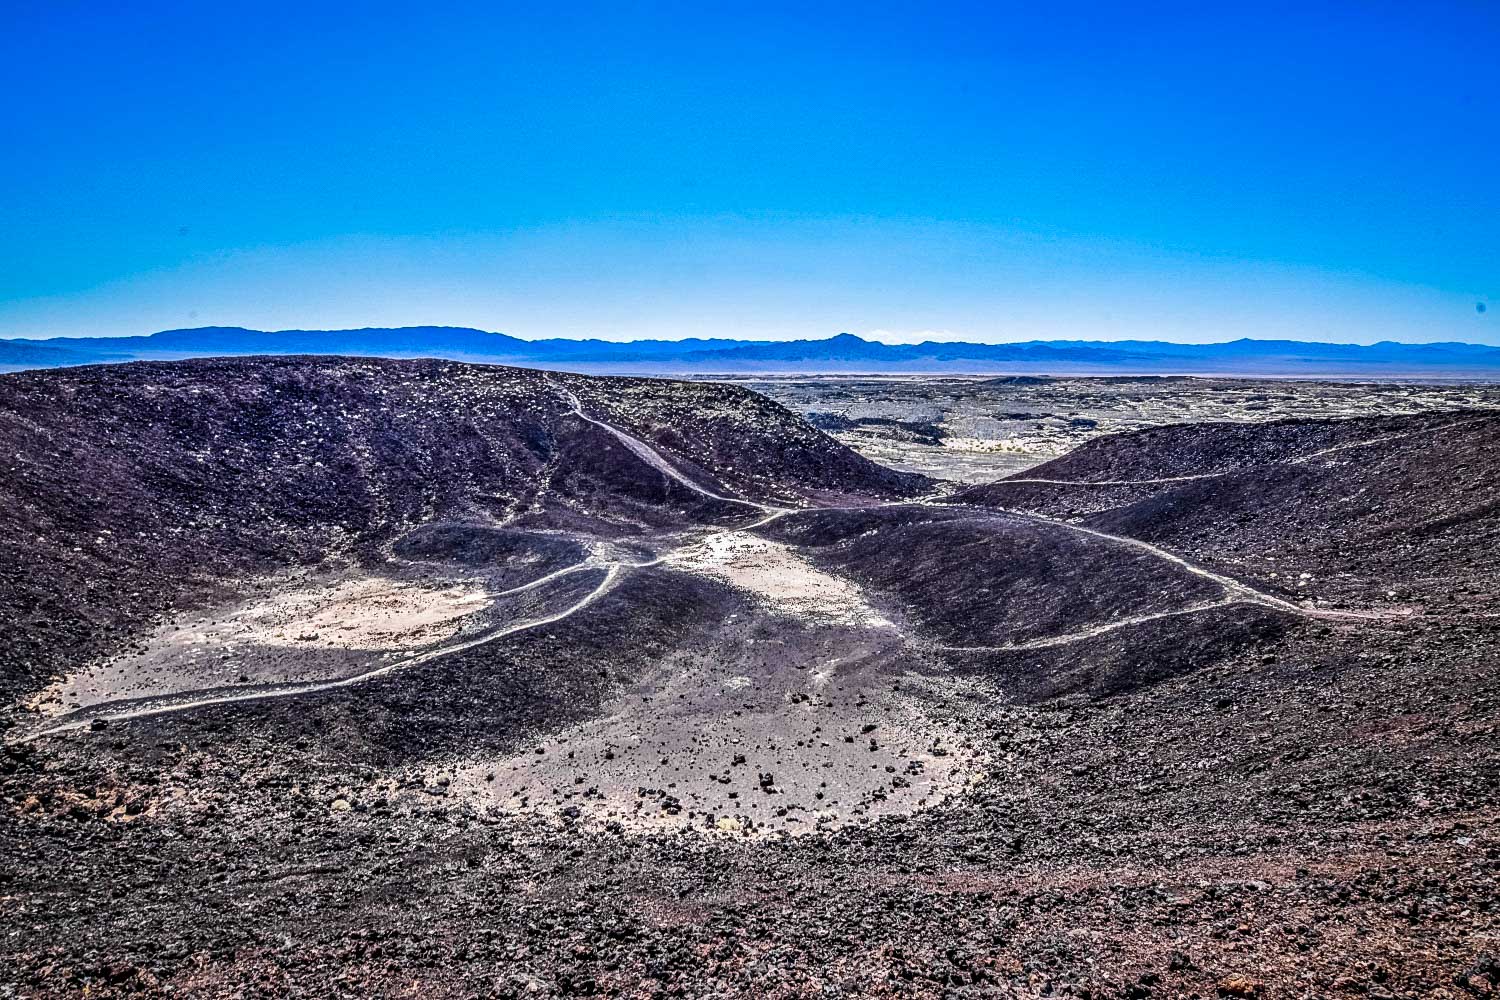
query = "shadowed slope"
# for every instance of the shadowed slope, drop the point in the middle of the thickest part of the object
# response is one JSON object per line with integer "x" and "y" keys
{"x": 129, "y": 490}
{"x": 1371, "y": 511}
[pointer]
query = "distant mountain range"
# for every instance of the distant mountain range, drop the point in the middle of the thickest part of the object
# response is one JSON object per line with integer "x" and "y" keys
{"x": 844, "y": 353}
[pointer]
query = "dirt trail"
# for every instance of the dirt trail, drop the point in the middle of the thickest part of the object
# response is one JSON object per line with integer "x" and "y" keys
{"x": 184, "y": 701}
{"x": 1108, "y": 482}
{"x": 1089, "y": 633}
{"x": 137, "y": 708}
{"x": 1233, "y": 588}
{"x": 1234, "y": 591}
{"x": 650, "y": 455}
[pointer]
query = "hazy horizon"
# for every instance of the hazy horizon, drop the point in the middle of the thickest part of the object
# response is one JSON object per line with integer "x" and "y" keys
{"x": 876, "y": 336}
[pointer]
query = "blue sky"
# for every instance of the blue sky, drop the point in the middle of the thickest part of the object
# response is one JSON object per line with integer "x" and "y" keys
{"x": 996, "y": 171}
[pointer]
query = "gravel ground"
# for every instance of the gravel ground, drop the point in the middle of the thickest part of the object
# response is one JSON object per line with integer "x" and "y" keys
{"x": 1213, "y": 710}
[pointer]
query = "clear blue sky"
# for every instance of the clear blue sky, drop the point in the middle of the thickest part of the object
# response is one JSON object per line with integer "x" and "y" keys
{"x": 996, "y": 171}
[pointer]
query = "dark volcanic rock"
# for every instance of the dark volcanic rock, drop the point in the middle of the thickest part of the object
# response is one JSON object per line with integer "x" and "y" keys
{"x": 128, "y": 489}
{"x": 1371, "y": 511}
{"x": 1023, "y": 743}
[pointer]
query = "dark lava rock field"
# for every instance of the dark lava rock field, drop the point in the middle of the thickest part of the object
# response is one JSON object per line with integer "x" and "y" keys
{"x": 351, "y": 677}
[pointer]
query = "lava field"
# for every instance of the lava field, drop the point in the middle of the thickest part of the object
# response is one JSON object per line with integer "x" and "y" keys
{"x": 355, "y": 677}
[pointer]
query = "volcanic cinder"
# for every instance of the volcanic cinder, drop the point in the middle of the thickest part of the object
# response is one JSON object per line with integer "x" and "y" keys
{"x": 341, "y": 676}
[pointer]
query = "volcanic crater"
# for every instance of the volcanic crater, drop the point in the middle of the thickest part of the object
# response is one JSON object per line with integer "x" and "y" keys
{"x": 405, "y": 633}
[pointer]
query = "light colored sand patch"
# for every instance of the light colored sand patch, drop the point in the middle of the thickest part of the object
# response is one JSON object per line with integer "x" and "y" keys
{"x": 779, "y": 574}
{"x": 1012, "y": 445}
{"x": 803, "y": 768}
{"x": 373, "y": 613}
{"x": 303, "y": 633}
{"x": 744, "y": 736}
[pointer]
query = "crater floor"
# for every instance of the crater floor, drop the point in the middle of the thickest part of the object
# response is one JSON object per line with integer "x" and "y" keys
{"x": 343, "y": 677}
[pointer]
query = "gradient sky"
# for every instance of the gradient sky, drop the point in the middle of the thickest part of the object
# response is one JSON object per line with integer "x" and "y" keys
{"x": 1195, "y": 171}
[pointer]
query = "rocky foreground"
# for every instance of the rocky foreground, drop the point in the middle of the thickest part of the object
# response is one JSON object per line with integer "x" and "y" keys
{"x": 336, "y": 677}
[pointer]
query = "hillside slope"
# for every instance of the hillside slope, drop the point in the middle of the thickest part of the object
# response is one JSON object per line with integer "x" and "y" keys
{"x": 127, "y": 489}
{"x": 1402, "y": 508}
{"x": 347, "y": 677}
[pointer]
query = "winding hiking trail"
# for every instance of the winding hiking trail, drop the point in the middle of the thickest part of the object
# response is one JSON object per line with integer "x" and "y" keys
{"x": 1107, "y": 482}
{"x": 1235, "y": 592}
{"x": 650, "y": 455}
{"x": 1240, "y": 592}
{"x": 1067, "y": 638}
{"x": 160, "y": 705}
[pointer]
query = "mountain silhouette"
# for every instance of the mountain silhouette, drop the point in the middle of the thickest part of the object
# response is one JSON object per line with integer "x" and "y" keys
{"x": 842, "y": 353}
